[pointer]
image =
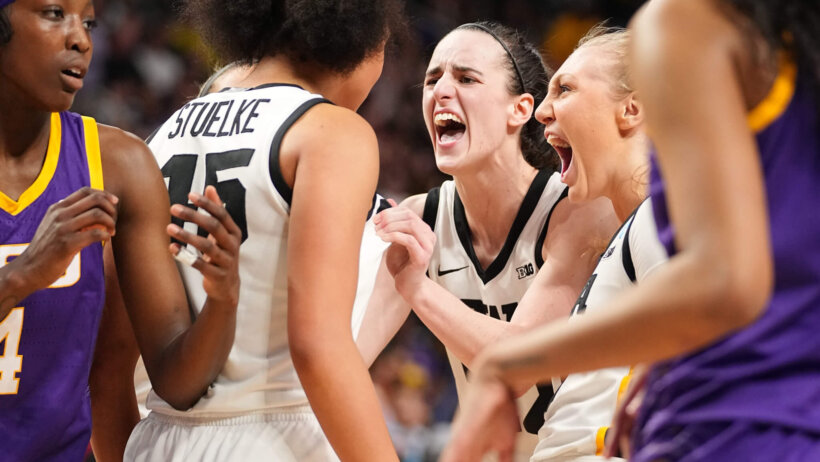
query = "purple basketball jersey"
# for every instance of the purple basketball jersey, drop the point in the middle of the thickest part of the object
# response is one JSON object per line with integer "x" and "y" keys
{"x": 47, "y": 342}
{"x": 768, "y": 372}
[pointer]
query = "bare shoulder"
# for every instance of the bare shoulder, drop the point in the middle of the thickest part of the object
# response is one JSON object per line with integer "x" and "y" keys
{"x": 325, "y": 122}
{"x": 583, "y": 227}
{"x": 125, "y": 158}
{"x": 330, "y": 137}
{"x": 415, "y": 203}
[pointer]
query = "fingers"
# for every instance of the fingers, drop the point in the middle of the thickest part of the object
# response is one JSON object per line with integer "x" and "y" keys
{"x": 418, "y": 255}
{"x": 85, "y": 192}
{"x": 87, "y": 207}
{"x": 211, "y": 253}
{"x": 402, "y": 226}
{"x": 94, "y": 218}
{"x": 217, "y": 222}
{"x": 214, "y": 205}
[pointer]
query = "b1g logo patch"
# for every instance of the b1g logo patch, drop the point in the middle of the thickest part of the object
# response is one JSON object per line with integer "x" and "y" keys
{"x": 525, "y": 271}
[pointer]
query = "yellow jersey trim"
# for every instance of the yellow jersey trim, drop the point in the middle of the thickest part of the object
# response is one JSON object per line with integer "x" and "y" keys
{"x": 778, "y": 99}
{"x": 624, "y": 384}
{"x": 600, "y": 441}
{"x": 92, "y": 152}
{"x": 14, "y": 207}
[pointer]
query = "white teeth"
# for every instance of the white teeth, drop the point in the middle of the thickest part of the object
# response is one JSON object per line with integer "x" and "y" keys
{"x": 441, "y": 118}
{"x": 557, "y": 142}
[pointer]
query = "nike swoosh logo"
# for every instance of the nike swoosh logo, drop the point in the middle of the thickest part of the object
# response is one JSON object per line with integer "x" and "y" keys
{"x": 445, "y": 272}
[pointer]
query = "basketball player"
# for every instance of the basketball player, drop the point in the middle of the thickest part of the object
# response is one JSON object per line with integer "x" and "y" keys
{"x": 67, "y": 186}
{"x": 280, "y": 151}
{"x": 506, "y": 252}
{"x": 730, "y": 89}
{"x": 370, "y": 255}
{"x": 594, "y": 120}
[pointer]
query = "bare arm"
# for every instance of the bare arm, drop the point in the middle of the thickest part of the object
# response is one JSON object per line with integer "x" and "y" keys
{"x": 386, "y": 312}
{"x": 569, "y": 259}
{"x": 182, "y": 358}
{"x": 111, "y": 383}
{"x": 323, "y": 249}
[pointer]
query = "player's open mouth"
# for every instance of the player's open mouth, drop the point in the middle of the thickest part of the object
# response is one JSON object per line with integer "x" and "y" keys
{"x": 73, "y": 78}
{"x": 449, "y": 127}
{"x": 564, "y": 151}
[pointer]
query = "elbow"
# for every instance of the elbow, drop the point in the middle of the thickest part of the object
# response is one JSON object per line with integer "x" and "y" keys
{"x": 178, "y": 401}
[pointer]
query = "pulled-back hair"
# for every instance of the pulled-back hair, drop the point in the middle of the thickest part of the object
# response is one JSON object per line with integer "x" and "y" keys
{"x": 615, "y": 41}
{"x": 535, "y": 76}
{"x": 336, "y": 35}
{"x": 791, "y": 25}
{"x": 5, "y": 26}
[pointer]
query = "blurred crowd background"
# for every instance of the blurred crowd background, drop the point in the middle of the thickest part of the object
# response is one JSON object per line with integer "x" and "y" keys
{"x": 146, "y": 64}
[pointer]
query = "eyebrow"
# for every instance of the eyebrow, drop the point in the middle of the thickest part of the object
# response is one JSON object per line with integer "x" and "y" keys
{"x": 457, "y": 67}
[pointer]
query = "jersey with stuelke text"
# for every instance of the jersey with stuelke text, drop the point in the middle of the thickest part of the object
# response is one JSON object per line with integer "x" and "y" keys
{"x": 495, "y": 290}
{"x": 47, "y": 340}
{"x": 231, "y": 140}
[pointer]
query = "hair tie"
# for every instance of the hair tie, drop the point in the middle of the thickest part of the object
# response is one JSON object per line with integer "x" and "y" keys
{"x": 486, "y": 29}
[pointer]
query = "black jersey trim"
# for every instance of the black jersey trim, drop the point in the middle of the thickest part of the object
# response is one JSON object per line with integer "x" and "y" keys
{"x": 271, "y": 85}
{"x": 273, "y": 162}
{"x": 534, "y": 419}
{"x": 431, "y": 207}
{"x": 152, "y": 135}
{"x": 539, "y": 183}
{"x": 626, "y": 253}
{"x": 542, "y": 236}
{"x": 379, "y": 203}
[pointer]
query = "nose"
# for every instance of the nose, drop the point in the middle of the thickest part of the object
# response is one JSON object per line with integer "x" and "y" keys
{"x": 78, "y": 37}
{"x": 544, "y": 113}
{"x": 444, "y": 89}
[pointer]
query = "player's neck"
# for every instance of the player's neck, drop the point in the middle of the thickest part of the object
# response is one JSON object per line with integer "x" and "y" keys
{"x": 629, "y": 187}
{"x": 491, "y": 198}
{"x": 279, "y": 69}
{"x": 21, "y": 129}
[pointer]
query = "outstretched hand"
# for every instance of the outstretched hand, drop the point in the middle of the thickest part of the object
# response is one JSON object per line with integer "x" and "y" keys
{"x": 488, "y": 422}
{"x": 412, "y": 242}
{"x": 218, "y": 260}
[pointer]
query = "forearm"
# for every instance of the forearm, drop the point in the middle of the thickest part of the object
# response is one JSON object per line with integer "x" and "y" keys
{"x": 461, "y": 329}
{"x": 343, "y": 398}
{"x": 670, "y": 314}
{"x": 14, "y": 287}
{"x": 114, "y": 414}
{"x": 192, "y": 361}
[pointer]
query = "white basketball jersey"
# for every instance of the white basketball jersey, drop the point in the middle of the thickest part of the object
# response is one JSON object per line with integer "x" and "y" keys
{"x": 231, "y": 140}
{"x": 496, "y": 290}
{"x": 582, "y": 409}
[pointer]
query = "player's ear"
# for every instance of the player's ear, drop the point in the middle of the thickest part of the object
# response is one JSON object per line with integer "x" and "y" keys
{"x": 521, "y": 110}
{"x": 630, "y": 113}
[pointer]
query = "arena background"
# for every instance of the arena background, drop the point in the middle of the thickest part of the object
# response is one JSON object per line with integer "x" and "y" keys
{"x": 146, "y": 64}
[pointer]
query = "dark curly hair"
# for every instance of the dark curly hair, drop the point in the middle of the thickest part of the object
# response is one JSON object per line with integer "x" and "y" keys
{"x": 535, "y": 75}
{"x": 5, "y": 26}
{"x": 336, "y": 35}
{"x": 785, "y": 25}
